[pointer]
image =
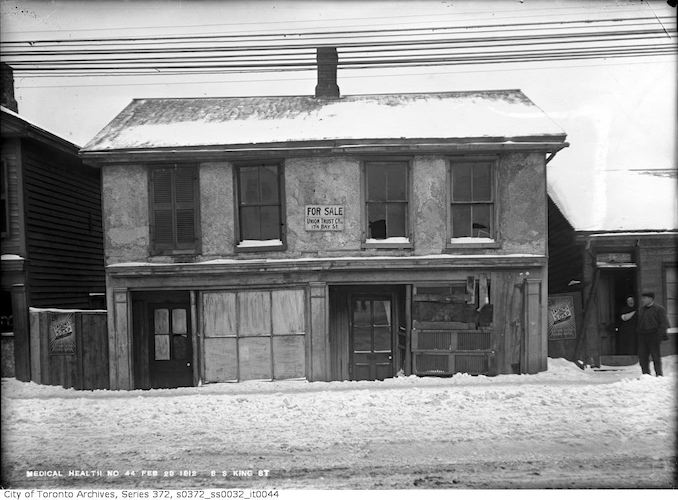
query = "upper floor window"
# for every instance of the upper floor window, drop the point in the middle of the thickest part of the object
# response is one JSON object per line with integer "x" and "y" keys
{"x": 260, "y": 207}
{"x": 174, "y": 209}
{"x": 4, "y": 199}
{"x": 472, "y": 201}
{"x": 387, "y": 201}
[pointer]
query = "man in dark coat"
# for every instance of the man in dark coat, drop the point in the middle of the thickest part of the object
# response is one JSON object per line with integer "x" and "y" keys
{"x": 652, "y": 327}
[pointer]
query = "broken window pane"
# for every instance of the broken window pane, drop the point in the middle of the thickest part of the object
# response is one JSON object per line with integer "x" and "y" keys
{"x": 461, "y": 221}
{"x": 482, "y": 223}
{"x": 396, "y": 219}
{"x": 376, "y": 216}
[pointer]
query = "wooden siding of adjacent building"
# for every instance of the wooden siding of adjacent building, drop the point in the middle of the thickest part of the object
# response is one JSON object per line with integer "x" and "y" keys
{"x": 565, "y": 255}
{"x": 64, "y": 235}
{"x": 13, "y": 242}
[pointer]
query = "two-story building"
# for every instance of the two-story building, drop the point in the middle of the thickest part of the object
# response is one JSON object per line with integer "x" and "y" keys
{"x": 325, "y": 237}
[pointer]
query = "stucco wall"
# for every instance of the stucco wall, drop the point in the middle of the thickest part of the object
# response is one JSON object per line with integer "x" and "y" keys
{"x": 429, "y": 204}
{"x": 322, "y": 181}
{"x": 521, "y": 202}
{"x": 125, "y": 213}
{"x": 217, "y": 209}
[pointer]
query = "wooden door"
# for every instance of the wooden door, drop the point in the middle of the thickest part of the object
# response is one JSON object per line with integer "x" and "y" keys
{"x": 371, "y": 344}
{"x": 170, "y": 349}
{"x": 606, "y": 319}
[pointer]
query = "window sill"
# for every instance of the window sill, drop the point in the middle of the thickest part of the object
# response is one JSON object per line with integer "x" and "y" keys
{"x": 385, "y": 244}
{"x": 173, "y": 252}
{"x": 261, "y": 247}
{"x": 451, "y": 246}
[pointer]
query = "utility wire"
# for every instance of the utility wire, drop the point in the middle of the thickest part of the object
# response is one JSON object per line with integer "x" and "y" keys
{"x": 310, "y": 55}
{"x": 140, "y": 49}
{"x": 535, "y": 39}
{"x": 531, "y": 14}
{"x": 352, "y": 33}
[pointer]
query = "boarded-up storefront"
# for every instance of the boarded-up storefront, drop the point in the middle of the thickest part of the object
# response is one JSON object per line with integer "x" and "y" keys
{"x": 253, "y": 335}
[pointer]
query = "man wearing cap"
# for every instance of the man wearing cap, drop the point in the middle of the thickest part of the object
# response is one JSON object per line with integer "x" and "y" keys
{"x": 652, "y": 327}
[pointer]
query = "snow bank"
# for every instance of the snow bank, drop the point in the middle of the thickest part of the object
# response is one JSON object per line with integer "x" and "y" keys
{"x": 560, "y": 371}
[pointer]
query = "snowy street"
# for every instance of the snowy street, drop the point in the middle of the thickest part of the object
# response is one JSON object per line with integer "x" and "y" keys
{"x": 562, "y": 428}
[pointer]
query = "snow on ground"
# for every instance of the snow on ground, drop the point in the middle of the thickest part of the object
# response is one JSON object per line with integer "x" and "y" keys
{"x": 565, "y": 427}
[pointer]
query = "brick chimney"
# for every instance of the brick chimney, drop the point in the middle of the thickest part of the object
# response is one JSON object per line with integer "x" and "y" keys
{"x": 327, "y": 59}
{"x": 8, "y": 100}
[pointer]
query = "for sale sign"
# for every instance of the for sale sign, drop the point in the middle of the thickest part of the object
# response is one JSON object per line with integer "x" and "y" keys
{"x": 324, "y": 217}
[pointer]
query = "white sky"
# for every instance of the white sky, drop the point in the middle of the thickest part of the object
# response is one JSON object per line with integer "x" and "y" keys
{"x": 618, "y": 114}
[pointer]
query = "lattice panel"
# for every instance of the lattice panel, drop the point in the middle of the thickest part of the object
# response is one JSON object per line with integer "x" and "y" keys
{"x": 425, "y": 363}
{"x": 474, "y": 365}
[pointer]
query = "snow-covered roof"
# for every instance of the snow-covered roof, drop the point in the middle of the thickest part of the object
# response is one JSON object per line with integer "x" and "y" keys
{"x": 625, "y": 200}
{"x": 498, "y": 116}
{"x": 31, "y": 128}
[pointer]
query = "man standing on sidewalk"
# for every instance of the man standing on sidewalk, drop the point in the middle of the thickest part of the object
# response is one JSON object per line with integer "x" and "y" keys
{"x": 652, "y": 327}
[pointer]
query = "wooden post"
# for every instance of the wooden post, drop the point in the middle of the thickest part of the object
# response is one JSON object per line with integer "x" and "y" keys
{"x": 120, "y": 355}
{"x": 408, "y": 328}
{"x": 533, "y": 326}
{"x": 319, "y": 335}
{"x": 195, "y": 329}
{"x": 22, "y": 343}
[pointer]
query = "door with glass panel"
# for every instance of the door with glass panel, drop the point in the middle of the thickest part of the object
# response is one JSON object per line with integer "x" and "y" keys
{"x": 371, "y": 338}
{"x": 170, "y": 348}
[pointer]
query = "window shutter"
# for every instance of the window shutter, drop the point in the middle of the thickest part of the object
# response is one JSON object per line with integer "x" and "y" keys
{"x": 173, "y": 208}
{"x": 184, "y": 188}
{"x": 163, "y": 233}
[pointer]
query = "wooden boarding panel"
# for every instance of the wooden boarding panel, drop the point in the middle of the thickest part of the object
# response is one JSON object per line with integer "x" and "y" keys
{"x": 93, "y": 333}
{"x": 219, "y": 319}
{"x": 255, "y": 313}
{"x": 289, "y": 357}
{"x": 255, "y": 358}
{"x": 221, "y": 359}
{"x": 288, "y": 311}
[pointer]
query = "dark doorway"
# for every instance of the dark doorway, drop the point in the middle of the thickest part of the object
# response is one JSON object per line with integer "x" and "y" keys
{"x": 615, "y": 286}
{"x": 163, "y": 343}
{"x": 372, "y": 335}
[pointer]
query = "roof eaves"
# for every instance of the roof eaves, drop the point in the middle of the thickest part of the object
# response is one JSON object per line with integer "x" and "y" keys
{"x": 33, "y": 131}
